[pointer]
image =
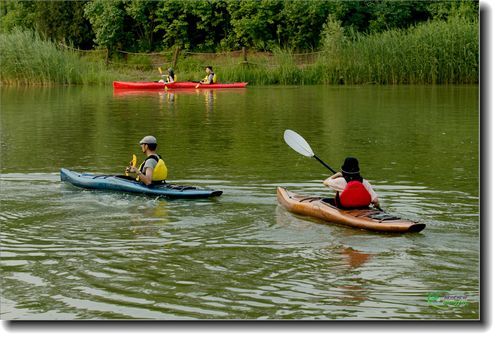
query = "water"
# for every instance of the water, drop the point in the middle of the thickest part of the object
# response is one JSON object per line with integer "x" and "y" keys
{"x": 68, "y": 253}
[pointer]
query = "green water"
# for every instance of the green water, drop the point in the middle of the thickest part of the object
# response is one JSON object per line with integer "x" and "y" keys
{"x": 68, "y": 253}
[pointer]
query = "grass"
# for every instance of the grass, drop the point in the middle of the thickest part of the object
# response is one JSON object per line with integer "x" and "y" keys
{"x": 434, "y": 53}
{"x": 26, "y": 59}
{"x": 438, "y": 52}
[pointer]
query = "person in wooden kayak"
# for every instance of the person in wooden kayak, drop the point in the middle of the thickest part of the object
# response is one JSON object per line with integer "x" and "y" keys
{"x": 211, "y": 77}
{"x": 153, "y": 169}
{"x": 352, "y": 190}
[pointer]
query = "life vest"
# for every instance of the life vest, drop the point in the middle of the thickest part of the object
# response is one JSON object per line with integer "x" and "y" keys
{"x": 160, "y": 171}
{"x": 214, "y": 79}
{"x": 168, "y": 78}
{"x": 355, "y": 195}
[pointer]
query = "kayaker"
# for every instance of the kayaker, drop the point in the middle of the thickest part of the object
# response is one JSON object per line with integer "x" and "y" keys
{"x": 169, "y": 77}
{"x": 210, "y": 78}
{"x": 352, "y": 190}
{"x": 153, "y": 169}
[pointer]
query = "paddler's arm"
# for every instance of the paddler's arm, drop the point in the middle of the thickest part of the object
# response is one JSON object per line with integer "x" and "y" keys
{"x": 373, "y": 194}
{"x": 146, "y": 179}
{"x": 329, "y": 181}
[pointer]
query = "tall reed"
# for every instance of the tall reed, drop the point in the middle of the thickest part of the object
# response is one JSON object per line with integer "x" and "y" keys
{"x": 25, "y": 59}
{"x": 437, "y": 52}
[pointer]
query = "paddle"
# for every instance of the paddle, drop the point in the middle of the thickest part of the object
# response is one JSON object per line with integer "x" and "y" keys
{"x": 300, "y": 145}
{"x": 133, "y": 163}
{"x": 161, "y": 74}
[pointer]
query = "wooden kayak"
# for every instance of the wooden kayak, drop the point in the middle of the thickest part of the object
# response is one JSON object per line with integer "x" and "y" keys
{"x": 138, "y": 85}
{"x": 369, "y": 219}
{"x": 194, "y": 85}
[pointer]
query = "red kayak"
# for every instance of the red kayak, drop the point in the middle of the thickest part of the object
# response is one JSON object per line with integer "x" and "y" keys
{"x": 138, "y": 85}
{"x": 193, "y": 85}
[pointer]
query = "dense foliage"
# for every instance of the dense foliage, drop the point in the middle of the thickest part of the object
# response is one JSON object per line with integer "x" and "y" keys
{"x": 216, "y": 25}
{"x": 355, "y": 42}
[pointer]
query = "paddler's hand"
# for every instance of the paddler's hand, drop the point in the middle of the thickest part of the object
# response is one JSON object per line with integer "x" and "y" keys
{"x": 377, "y": 205}
{"x": 132, "y": 169}
{"x": 337, "y": 175}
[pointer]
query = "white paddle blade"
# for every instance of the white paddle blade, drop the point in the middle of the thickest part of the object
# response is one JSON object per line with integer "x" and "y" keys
{"x": 296, "y": 142}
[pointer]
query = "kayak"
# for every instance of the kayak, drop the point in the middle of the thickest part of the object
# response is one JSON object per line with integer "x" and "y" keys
{"x": 322, "y": 208}
{"x": 193, "y": 85}
{"x": 151, "y": 85}
{"x": 139, "y": 85}
{"x": 119, "y": 183}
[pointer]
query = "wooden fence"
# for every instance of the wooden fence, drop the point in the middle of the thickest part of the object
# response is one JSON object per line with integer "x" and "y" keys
{"x": 170, "y": 58}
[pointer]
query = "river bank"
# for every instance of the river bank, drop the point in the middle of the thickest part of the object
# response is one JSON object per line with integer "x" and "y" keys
{"x": 437, "y": 52}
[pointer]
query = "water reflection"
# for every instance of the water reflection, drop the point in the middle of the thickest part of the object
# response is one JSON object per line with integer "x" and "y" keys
{"x": 171, "y": 95}
{"x": 130, "y": 93}
{"x": 151, "y": 220}
{"x": 355, "y": 258}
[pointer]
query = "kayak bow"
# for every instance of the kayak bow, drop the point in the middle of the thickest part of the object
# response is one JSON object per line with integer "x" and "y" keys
{"x": 138, "y": 85}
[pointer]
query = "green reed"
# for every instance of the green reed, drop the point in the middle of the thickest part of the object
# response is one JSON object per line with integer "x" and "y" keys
{"x": 26, "y": 59}
{"x": 433, "y": 53}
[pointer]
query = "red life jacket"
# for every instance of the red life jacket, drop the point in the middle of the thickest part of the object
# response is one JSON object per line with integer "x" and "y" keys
{"x": 355, "y": 195}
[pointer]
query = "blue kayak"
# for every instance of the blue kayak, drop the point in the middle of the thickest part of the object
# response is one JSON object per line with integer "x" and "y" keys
{"x": 119, "y": 183}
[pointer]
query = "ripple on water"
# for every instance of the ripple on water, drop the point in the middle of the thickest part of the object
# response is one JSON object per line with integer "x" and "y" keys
{"x": 239, "y": 256}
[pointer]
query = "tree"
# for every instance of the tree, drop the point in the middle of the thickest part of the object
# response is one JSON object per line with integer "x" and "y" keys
{"x": 107, "y": 18}
{"x": 254, "y": 23}
{"x": 63, "y": 21}
{"x": 15, "y": 13}
{"x": 56, "y": 20}
{"x": 196, "y": 25}
{"x": 301, "y": 23}
{"x": 142, "y": 15}
{"x": 467, "y": 9}
{"x": 385, "y": 15}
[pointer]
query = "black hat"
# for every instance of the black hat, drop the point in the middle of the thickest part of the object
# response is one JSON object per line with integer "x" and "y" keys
{"x": 350, "y": 166}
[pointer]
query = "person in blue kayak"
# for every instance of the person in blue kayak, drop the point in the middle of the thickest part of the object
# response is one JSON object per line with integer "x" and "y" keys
{"x": 153, "y": 169}
{"x": 351, "y": 190}
{"x": 211, "y": 77}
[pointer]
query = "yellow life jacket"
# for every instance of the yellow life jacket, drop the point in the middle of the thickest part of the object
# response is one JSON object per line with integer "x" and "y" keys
{"x": 214, "y": 79}
{"x": 160, "y": 171}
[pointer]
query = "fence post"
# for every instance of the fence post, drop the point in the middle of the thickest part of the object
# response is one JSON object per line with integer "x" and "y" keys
{"x": 107, "y": 57}
{"x": 176, "y": 55}
{"x": 244, "y": 50}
